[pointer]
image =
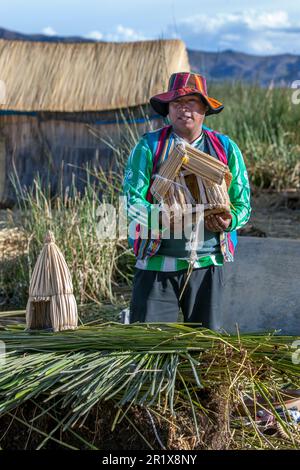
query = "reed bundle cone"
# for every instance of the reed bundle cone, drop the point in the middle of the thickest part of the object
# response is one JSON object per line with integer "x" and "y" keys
{"x": 51, "y": 303}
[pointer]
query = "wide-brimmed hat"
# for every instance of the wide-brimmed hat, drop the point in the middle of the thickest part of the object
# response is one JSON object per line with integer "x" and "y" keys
{"x": 182, "y": 84}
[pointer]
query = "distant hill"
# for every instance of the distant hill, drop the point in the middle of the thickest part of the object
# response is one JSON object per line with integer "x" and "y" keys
{"x": 230, "y": 65}
{"x": 12, "y": 35}
{"x": 281, "y": 70}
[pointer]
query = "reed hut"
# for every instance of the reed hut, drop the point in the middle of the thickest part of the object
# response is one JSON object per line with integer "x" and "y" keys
{"x": 57, "y": 92}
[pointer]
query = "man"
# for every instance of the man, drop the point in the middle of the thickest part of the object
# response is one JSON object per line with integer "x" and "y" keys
{"x": 162, "y": 264}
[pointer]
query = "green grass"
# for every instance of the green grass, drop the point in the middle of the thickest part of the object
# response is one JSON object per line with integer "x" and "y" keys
{"x": 265, "y": 125}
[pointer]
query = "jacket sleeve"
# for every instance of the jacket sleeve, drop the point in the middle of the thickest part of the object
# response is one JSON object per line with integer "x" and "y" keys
{"x": 239, "y": 190}
{"x": 136, "y": 183}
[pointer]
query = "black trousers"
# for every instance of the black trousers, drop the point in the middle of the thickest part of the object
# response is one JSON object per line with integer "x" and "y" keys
{"x": 155, "y": 296}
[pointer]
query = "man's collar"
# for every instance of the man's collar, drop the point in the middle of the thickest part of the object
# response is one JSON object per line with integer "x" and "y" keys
{"x": 195, "y": 142}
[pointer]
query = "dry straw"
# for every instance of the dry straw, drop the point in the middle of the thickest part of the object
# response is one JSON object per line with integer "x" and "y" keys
{"x": 51, "y": 302}
{"x": 88, "y": 76}
{"x": 190, "y": 176}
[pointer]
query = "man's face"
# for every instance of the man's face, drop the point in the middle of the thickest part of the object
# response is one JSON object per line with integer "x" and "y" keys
{"x": 187, "y": 113}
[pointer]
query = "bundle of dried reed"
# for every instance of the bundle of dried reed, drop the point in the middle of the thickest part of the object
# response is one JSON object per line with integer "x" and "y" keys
{"x": 168, "y": 171}
{"x": 190, "y": 176}
{"x": 204, "y": 165}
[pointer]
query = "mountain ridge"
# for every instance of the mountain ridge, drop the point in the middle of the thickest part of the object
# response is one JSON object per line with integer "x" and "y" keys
{"x": 278, "y": 70}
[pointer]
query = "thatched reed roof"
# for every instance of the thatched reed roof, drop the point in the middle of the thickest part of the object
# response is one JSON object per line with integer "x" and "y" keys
{"x": 45, "y": 76}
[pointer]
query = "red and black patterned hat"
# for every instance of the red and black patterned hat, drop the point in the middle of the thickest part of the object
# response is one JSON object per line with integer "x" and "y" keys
{"x": 182, "y": 84}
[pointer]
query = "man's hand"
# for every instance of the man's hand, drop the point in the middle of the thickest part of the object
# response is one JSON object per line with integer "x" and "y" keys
{"x": 217, "y": 222}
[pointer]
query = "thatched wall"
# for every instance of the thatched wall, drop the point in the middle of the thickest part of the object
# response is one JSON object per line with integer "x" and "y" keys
{"x": 49, "y": 143}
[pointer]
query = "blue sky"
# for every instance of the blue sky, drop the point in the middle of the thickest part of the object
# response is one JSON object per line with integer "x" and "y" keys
{"x": 262, "y": 27}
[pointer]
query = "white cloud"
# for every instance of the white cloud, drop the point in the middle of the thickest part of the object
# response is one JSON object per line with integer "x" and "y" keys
{"x": 262, "y": 46}
{"x": 231, "y": 37}
{"x": 119, "y": 34}
{"x": 49, "y": 31}
{"x": 95, "y": 35}
{"x": 251, "y": 18}
{"x": 227, "y": 40}
{"x": 204, "y": 23}
{"x": 128, "y": 33}
{"x": 258, "y": 32}
{"x": 274, "y": 20}
{"x": 123, "y": 33}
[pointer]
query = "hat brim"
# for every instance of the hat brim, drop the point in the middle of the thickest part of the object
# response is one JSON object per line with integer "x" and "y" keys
{"x": 160, "y": 103}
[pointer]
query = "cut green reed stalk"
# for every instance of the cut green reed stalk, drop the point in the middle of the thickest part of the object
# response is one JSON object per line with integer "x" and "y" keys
{"x": 162, "y": 366}
{"x": 42, "y": 433}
